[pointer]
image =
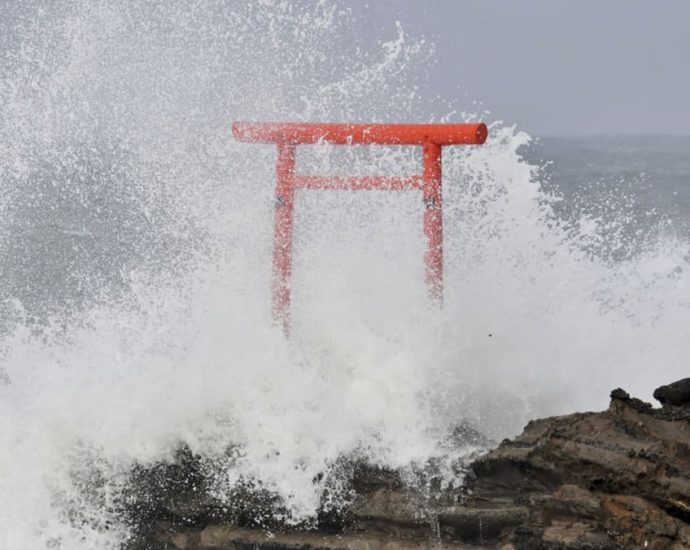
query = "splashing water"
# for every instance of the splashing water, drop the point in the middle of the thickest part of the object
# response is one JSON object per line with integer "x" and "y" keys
{"x": 135, "y": 250}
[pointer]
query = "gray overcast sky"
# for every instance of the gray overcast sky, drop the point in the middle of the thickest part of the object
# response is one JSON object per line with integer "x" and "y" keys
{"x": 553, "y": 67}
{"x": 559, "y": 66}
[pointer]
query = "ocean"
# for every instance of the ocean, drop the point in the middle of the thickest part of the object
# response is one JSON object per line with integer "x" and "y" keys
{"x": 135, "y": 265}
{"x": 645, "y": 177}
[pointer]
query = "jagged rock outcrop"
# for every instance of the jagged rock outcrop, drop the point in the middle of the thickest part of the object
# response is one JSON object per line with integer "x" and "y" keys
{"x": 674, "y": 395}
{"x": 613, "y": 479}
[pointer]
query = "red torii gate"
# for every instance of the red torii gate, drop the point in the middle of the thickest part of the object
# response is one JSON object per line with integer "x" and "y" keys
{"x": 288, "y": 135}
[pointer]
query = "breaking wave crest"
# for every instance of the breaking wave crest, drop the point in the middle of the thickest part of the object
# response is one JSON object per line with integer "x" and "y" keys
{"x": 135, "y": 243}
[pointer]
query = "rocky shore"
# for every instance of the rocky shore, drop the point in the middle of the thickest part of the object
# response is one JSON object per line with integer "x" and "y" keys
{"x": 613, "y": 479}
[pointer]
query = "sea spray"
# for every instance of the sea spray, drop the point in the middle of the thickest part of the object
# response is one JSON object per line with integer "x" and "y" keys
{"x": 135, "y": 262}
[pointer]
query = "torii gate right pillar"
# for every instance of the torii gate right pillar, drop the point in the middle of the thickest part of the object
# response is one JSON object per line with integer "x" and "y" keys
{"x": 433, "y": 219}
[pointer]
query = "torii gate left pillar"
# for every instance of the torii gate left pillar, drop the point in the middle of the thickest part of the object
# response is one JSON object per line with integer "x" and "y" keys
{"x": 432, "y": 137}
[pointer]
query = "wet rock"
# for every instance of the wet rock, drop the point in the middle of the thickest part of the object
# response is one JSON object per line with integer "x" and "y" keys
{"x": 464, "y": 435}
{"x": 676, "y": 394}
{"x": 619, "y": 478}
{"x": 615, "y": 479}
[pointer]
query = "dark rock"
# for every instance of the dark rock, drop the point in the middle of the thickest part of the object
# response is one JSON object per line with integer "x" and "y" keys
{"x": 676, "y": 394}
{"x": 464, "y": 435}
{"x": 620, "y": 393}
{"x": 614, "y": 479}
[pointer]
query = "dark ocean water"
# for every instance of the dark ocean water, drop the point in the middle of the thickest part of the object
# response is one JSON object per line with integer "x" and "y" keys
{"x": 642, "y": 182}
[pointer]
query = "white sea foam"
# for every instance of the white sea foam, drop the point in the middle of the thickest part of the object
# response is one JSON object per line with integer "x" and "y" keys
{"x": 165, "y": 336}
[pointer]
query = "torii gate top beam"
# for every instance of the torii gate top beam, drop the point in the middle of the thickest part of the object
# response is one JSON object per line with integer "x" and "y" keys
{"x": 299, "y": 133}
